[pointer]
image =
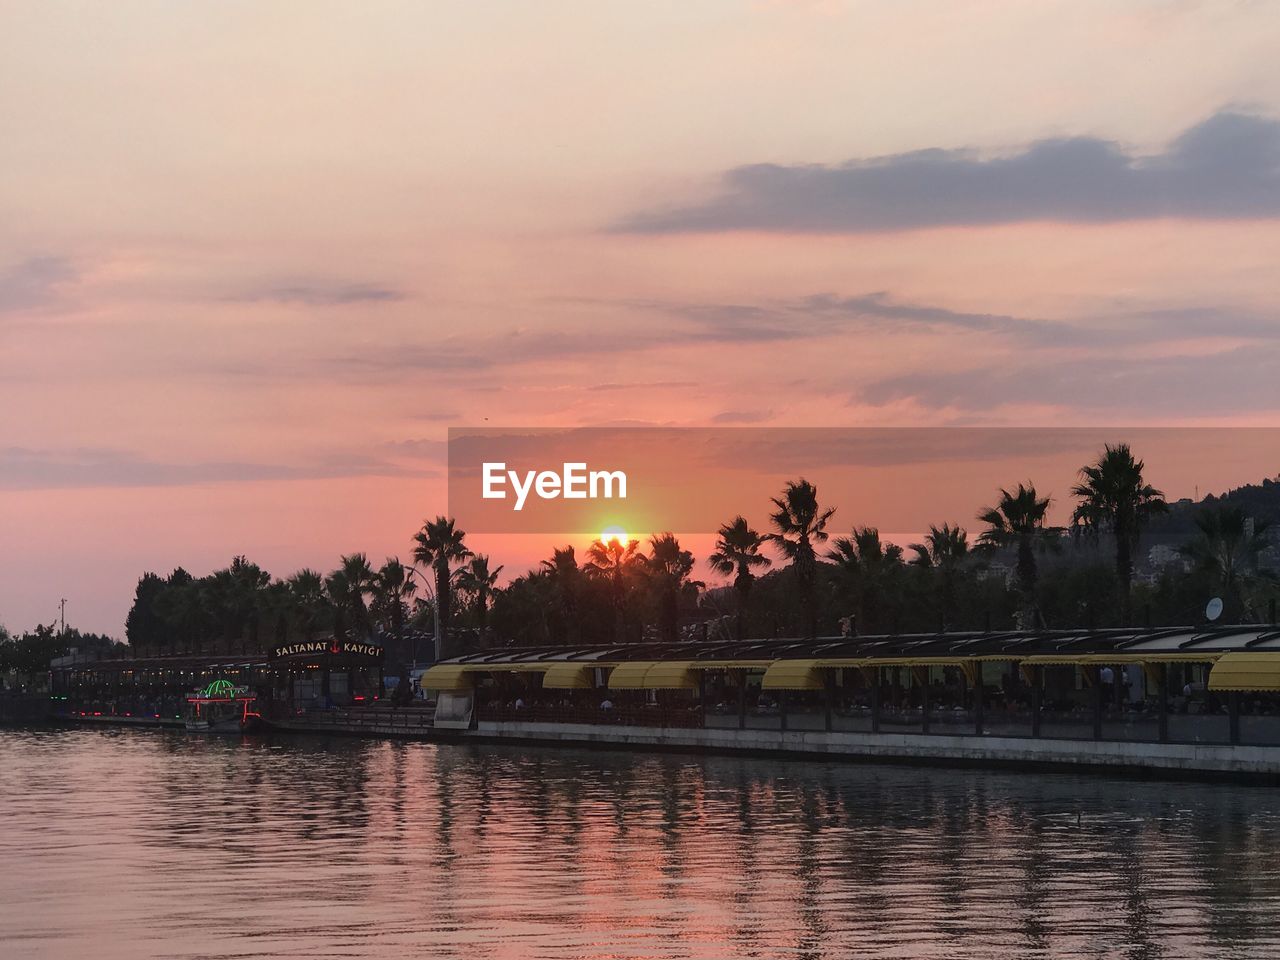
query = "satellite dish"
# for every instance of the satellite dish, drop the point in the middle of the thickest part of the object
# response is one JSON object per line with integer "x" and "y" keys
{"x": 1213, "y": 609}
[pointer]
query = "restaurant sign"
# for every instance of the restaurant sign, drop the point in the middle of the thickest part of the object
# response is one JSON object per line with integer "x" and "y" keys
{"x": 337, "y": 648}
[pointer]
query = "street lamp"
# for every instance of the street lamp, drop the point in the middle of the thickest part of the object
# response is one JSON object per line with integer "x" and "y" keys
{"x": 429, "y": 590}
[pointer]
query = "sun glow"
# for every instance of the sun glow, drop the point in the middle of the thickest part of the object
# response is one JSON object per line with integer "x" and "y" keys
{"x": 613, "y": 534}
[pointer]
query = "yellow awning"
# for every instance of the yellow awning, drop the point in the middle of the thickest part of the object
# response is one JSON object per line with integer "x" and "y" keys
{"x": 629, "y": 676}
{"x": 671, "y": 675}
{"x": 1246, "y": 671}
{"x": 794, "y": 675}
{"x": 447, "y": 676}
{"x": 570, "y": 675}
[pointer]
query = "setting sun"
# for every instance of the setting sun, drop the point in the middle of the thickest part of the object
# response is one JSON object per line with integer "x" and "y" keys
{"x": 613, "y": 533}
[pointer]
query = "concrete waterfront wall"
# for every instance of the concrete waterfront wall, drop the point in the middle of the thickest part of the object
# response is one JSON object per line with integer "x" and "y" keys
{"x": 1171, "y": 759}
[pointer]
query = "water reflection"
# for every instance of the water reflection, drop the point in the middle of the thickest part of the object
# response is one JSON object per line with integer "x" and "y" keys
{"x": 128, "y": 844}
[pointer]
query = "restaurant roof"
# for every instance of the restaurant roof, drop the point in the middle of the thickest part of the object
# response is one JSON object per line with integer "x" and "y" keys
{"x": 1130, "y": 644}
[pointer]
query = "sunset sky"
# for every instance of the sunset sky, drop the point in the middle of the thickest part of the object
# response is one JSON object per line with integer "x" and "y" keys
{"x": 257, "y": 257}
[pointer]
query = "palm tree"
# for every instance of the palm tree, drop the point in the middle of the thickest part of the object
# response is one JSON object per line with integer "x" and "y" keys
{"x": 361, "y": 582}
{"x": 307, "y": 592}
{"x": 562, "y": 572}
{"x": 1227, "y": 550}
{"x": 1115, "y": 497}
{"x": 337, "y": 594}
{"x": 392, "y": 590}
{"x": 337, "y": 591}
{"x": 277, "y": 605}
{"x": 439, "y": 546}
{"x": 800, "y": 523}
{"x": 945, "y": 550}
{"x": 527, "y": 602}
{"x": 868, "y": 566}
{"x": 478, "y": 581}
{"x": 1019, "y": 521}
{"x": 669, "y": 567}
{"x": 618, "y": 565}
{"x": 737, "y": 551}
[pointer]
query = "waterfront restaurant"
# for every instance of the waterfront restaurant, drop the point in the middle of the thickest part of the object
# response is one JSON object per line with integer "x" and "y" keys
{"x": 1186, "y": 697}
{"x": 289, "y": 678}
{"x": 318, "y": 673}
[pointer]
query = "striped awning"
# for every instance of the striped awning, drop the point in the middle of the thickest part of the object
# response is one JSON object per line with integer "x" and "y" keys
{"x": 794, "y": 675}
{"x": 1246, "y": 671}
{"x": 451, "y": 677}
{"x": 570, "y": 675}
{"x": 671, "y": 675}
{"x": 630, "y": 675}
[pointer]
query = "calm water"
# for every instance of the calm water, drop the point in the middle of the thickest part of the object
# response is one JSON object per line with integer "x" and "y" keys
{"x": 134, "y": 844}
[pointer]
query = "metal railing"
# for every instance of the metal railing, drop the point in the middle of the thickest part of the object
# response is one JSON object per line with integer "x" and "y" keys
{"x": 413, "y": 717}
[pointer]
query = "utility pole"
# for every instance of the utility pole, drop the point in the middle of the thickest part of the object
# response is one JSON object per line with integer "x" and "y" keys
{"x": 62, "y": 604}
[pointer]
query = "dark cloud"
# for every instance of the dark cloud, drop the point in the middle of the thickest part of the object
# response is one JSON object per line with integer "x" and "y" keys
{"x": 33, "y": 282}
{"x": 791, "y": 321}
{"x": 27, "y": 469}
{"x": 881, "y": 307}
{"x": 475, "y": 360}
{"x": 823, "y": 315}
{"x": 1227, "y": 167}
{"x": 1225, "y": 382}
{"x": 318, "y": 293}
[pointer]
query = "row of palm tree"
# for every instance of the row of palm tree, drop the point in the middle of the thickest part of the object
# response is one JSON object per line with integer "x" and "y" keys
{"x": 1113, "y": 498}
{"x": 1227, "y": 548}
{"x": 619, "y": 567}
{"x": 232, "y": 605}
{"x": 622, "y": 581}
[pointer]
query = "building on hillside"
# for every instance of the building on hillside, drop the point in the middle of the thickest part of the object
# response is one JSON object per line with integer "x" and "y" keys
{"x": 1164, "y": 556}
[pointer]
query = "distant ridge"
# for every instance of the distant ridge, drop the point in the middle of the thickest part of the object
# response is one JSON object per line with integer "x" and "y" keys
{"x": 1259, "y": 500}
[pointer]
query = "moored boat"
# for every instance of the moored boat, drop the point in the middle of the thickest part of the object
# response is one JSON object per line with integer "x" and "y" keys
{"x": 222, "y": 707}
